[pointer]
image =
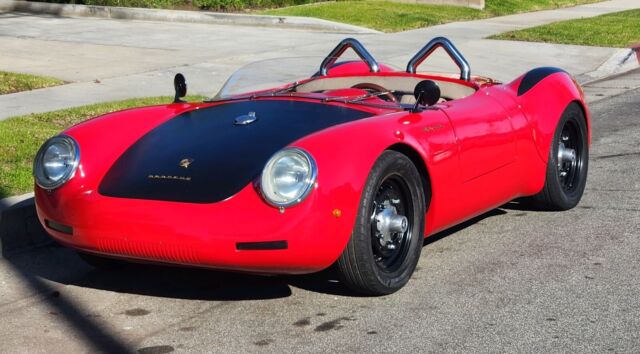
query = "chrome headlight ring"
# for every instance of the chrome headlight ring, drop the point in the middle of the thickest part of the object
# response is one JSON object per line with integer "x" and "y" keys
{"x": 288, "y": 177}
{"x": 56, "y": 162}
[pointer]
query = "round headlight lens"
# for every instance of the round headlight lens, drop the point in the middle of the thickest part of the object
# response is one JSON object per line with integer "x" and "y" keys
{"x": 56, "y": 162}
{"x": 288, "y": 177}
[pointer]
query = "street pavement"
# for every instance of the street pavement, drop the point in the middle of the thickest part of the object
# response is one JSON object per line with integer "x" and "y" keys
{"x": 105, "y": 59}
{"x": 511, "y": 280}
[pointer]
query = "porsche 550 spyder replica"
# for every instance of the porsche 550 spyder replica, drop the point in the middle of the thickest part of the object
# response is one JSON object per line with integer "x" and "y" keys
{"x": 352, "y": 165}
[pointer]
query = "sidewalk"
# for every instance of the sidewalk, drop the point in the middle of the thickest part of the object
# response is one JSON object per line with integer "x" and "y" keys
{"x": 108, "y": 59}
{"x": 147, "y": 14}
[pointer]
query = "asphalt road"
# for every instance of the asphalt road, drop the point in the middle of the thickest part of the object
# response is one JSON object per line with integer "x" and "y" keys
{"x": 512, "y": 280}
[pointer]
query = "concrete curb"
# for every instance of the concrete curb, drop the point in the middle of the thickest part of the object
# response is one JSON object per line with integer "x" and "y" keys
{"x": 622, "y": 61}
{"x": 128, "y": 13}
{"x": 20, "y": 229}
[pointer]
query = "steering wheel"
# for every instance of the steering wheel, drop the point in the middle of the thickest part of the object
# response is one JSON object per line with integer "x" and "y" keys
{"x": 373, "y": 88}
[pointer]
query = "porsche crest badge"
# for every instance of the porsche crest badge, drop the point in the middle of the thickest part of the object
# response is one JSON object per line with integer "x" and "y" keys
{"x": 184, "y": 163}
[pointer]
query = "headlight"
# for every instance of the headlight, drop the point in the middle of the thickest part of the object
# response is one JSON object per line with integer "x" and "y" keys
{"x": 288, "y": 177}
{"x": 56, "y": 162}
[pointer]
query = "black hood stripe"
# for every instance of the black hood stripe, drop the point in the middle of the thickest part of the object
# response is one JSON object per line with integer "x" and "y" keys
{"x": 223, "y": 157}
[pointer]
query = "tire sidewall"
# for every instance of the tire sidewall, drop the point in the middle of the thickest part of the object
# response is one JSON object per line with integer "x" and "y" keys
{"x": 391, "y": 163}
{"x": 561, "y": 198}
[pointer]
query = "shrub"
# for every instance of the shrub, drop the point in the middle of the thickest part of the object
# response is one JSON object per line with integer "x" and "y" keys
{"x": 215, "y": 5}
{"x": 158, "y": 4}
{"x": 234, "y": 5}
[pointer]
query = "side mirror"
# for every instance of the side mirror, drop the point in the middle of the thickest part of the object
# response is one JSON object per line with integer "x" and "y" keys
{"x": 427, "y": 93}
{"x": 180, "y": 85}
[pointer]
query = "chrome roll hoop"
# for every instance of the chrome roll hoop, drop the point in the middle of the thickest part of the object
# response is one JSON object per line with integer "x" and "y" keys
{"x": 341, "y": 48}
{"x": 454, "y": 53}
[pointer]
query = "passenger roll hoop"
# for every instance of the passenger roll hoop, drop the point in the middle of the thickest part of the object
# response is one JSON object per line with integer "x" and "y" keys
{"x": 357, "y": 47}
{"x": 454, "y": 53}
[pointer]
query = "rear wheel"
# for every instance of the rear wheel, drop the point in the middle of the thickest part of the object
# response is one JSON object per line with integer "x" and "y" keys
{"x": 387, "y": 239}
{"x": 567, "y": 163}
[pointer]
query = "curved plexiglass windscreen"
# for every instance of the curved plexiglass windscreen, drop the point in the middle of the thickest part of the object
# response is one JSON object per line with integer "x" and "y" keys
{"x": 269, "y": 74}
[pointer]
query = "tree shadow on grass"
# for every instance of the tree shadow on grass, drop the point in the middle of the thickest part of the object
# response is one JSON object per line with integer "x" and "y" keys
{"x": 4, "y": 193}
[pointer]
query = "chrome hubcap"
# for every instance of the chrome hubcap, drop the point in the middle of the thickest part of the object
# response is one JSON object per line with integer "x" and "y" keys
{"x": 569, "y": 156}
{"x": 389, "y": 225}
{"x": 566, "y": 158}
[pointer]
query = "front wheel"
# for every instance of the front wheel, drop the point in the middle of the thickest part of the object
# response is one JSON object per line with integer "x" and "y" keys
{"x": 567, "y": 163}
{"x": 387, "y": 238}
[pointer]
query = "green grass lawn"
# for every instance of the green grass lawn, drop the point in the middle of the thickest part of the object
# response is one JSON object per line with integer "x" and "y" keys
{"x": 392, "y": 17}
{"x": 14, "y": 82}
{"x": 21, "y": 137}
{"x": 620, "y": 29}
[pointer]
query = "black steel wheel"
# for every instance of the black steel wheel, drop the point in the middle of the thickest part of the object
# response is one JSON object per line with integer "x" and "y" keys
{"x": 567, "y": 164}
{"x": 390, "y": 230}
{"x": 387, "y": 239}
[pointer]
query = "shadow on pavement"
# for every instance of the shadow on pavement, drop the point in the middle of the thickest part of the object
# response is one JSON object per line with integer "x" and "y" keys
{"x": 185, "y": 283}
{"x": 94, "y": 335}
{"x": 18, "y": 11}
{"x": 452, "y": 230}
{"x": 57, "y": 264}
{"x": 62, "y": 265}
{"x": 521, "y": 204}
{"x": 20, "y": 229}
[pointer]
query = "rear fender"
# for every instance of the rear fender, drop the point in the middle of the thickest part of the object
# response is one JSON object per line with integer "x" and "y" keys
{"x": 543, "y": 94}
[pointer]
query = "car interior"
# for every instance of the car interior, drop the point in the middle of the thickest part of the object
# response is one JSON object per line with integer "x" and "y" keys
{"x": 399, "y": 88}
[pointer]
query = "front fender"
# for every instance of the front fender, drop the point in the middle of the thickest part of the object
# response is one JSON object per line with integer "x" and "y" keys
{"x": 104, "y": 138}
{"x": 345, "y": 155}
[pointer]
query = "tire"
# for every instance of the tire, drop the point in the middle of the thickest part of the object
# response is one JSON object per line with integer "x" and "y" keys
{"x": 380, "y": 258}
{"x": 566, "y": 175}
{"x": 102, "y": 263}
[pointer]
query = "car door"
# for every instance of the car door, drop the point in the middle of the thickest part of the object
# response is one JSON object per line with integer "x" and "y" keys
{"x": 484, "y": 134}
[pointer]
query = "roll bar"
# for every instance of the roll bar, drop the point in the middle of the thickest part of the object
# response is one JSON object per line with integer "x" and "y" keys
{"x": 341, "y": 48}
{"x": 454, "y": 53}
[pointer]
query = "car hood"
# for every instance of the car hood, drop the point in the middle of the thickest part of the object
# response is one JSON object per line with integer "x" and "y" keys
{"x": 207, "y": 155}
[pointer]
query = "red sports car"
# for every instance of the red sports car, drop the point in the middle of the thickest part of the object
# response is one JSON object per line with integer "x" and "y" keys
{"x": 353, "y": 166}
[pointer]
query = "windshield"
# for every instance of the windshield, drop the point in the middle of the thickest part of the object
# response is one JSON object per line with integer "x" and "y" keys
{"x": 299, "y": 77}
{"x": 269, "y": 74}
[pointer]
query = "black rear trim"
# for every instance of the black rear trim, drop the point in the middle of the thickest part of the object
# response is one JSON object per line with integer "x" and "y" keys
{"x": 262, "y": 246}
{"x": 65, "y": 229}
{"x": 534, "y": 76}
